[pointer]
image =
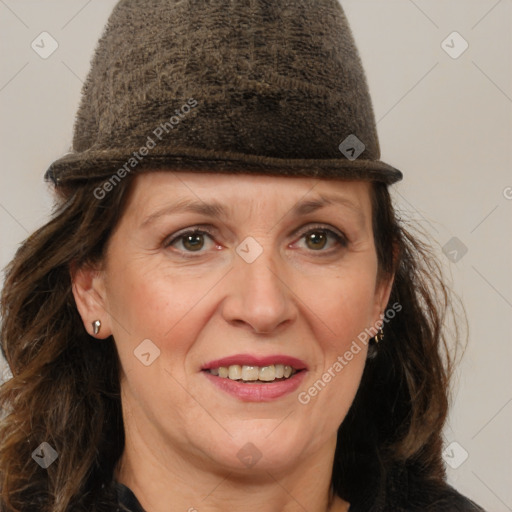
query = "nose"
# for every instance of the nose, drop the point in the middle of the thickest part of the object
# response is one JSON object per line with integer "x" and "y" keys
{"x": 259, "y": 298}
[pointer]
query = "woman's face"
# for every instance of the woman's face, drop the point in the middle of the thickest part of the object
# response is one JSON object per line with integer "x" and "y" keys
{"x": 278, "y": 268}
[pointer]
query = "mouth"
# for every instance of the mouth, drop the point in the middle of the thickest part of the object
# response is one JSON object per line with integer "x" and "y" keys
{"x": 253, "y": 370}
{"x": 254, "y": 374}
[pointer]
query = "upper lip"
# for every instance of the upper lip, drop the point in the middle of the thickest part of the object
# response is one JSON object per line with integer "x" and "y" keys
{"x": 250, "y": 360}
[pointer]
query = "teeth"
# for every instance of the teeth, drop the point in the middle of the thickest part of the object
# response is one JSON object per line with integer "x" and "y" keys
{"x": 235, "y": 372}
{"x": 267, "y": 373}
{"x": 254, "y": 373}
{"x": 249, "y": 373}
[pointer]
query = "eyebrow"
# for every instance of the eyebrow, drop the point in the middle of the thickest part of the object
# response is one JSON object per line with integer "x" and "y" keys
{"x": 215, "y": 209}
{"x": 312, "y": 205}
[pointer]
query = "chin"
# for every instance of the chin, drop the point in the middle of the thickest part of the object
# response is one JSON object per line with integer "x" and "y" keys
{"x": 267, "y": 447}
{"x": 252, "y": 459}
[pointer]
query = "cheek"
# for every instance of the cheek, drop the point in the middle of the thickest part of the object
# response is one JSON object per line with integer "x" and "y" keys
{"x": 345, "y": 303}
{"x": 344, "y": 309}
{"x": 151, "y": 304}
{"x": 150, "y": 301}
{"x": 169, "y": 308}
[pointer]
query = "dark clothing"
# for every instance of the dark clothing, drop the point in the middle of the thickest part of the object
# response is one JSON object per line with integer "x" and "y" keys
{"x": 447, "y": 500}
{"x": 126, "y": 499}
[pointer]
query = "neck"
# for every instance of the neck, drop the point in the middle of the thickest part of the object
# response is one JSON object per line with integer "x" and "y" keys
{"x": 193, "y": 484}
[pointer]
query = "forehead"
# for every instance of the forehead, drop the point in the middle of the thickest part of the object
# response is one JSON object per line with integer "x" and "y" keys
{"x": 160, "y": 187}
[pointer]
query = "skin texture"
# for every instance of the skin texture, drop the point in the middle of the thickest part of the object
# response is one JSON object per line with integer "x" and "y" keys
{"x": 301, "y": 297}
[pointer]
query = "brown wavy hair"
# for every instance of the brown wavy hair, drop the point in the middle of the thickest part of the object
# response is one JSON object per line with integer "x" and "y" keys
{"x": 65, "y": 385}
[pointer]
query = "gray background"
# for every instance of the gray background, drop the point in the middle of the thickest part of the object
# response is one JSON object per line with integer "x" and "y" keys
{"x": 446, "y": 122}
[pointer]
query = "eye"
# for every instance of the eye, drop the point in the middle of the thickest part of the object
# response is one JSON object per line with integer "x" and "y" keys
{"x": 191, "y": 241}
{"x": 317, "y": 238}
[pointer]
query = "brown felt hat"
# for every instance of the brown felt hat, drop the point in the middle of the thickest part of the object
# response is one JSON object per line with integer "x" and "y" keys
{"x": 266, "y": 86}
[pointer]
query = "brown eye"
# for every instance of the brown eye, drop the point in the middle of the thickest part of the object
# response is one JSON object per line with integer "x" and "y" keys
{"x": 189, "y": 241}
{"x": 193, "y": 242}
{"x": 316, "y": 240}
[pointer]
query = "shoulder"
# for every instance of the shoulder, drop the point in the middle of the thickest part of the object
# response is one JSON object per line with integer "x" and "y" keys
{"x": 406, "y": 490}
{"x": 428, "y": 496}
{"x": 448, "y": 499}
{"x": 127, "y": 500}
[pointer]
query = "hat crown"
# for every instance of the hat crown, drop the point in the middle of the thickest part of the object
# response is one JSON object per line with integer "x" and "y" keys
{"x": 260, "y": 80}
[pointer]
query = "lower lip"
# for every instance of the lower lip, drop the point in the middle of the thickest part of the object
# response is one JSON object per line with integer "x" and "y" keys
{"x": 257, "y": 392}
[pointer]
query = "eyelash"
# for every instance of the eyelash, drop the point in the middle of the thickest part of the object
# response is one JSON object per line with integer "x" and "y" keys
{"x": 340, "y": 238}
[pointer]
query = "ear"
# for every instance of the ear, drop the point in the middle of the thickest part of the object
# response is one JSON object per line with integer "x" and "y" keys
{"x": 383, "y": 292}
{"x": 88, "y": 285}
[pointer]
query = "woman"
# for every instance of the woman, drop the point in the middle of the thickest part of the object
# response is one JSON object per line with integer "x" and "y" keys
{"x": 224, "y": 309}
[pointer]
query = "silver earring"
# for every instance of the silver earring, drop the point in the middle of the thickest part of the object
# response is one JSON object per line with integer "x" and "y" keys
{"x": 96, "y": 326}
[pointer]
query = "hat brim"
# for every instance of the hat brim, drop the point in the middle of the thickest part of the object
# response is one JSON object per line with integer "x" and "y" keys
{"x": 105, "y": 164}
